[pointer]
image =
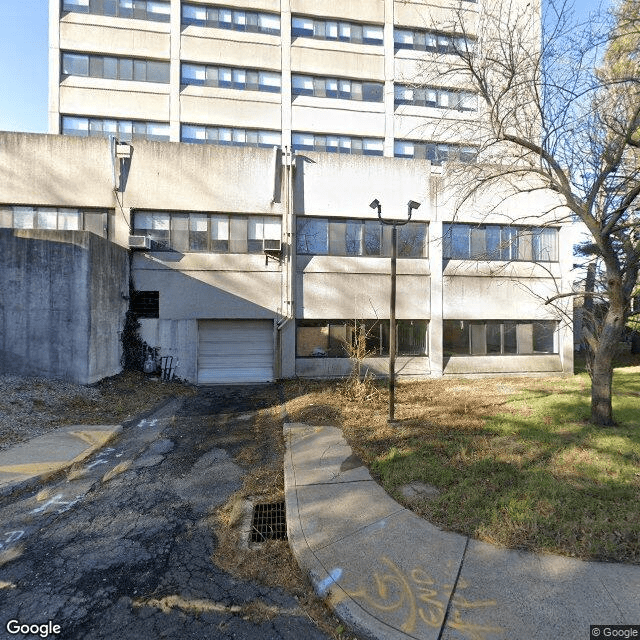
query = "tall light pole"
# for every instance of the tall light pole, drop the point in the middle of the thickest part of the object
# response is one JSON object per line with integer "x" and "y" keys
{"x": 411, "y": 205}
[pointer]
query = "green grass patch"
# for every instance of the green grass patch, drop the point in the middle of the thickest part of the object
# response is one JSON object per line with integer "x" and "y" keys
{"x": 516, "y": 461}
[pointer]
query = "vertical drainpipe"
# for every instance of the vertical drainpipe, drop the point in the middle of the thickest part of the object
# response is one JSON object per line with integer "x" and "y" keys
{"x": 287, "y": 310}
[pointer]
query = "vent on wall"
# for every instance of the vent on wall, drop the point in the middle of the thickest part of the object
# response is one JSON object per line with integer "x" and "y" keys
{"x": 140, "y": 242}
{"x": 271, "y": 246}
{"x": 146, "y": 304}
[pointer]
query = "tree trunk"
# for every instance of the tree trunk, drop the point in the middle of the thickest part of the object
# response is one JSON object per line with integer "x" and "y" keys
{"x": 602, "y": 373}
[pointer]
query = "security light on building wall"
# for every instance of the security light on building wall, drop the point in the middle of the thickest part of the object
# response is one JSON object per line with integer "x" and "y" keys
{"x": 412, "y": 204}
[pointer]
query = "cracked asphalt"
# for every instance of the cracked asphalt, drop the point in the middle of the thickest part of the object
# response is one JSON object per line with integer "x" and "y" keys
{"x": 121, "y": 547}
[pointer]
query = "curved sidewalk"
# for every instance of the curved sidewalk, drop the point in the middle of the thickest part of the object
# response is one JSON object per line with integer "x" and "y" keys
{"x": 390, "y": 574}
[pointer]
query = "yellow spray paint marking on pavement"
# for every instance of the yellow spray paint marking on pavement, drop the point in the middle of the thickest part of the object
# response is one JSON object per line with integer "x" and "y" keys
{"x": 33, "y": 468}
{"x": 416, "y": 596}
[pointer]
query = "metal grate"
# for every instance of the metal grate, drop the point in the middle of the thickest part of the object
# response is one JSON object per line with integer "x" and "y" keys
{"x": 269, "y": 522}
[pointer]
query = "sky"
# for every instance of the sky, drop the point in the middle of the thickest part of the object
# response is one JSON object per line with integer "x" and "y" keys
{"x": 24, "y": 62}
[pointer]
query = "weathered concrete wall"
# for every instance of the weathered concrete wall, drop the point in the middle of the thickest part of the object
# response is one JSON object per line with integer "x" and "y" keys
{"x": 108, "y": 303}
{"x": 176, "y": 338}
{"x": 61, "y": 171}
{"x": 328, "y": 184}
{"x": 502, "y": 365}
{"x": 61, "y": 304}
{"x": 407, "y": 368}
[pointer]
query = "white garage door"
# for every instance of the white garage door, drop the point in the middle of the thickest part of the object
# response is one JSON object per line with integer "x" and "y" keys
{"x": 232, "y": 351}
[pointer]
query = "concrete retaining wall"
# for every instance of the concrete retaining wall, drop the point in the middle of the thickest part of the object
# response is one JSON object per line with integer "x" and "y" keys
{"x": 62, "y": 304}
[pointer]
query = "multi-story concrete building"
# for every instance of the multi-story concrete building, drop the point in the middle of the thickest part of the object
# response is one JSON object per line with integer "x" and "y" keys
{"x": 316, "y": 76}
{"x": 250, "y": 264}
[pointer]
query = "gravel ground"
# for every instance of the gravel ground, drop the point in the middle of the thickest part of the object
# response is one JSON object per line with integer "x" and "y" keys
{"x": 31, "y": 407}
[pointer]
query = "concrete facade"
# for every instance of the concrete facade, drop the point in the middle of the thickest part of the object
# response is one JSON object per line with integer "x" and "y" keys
{"x": 62, "y": 304}
{"x": 312, "y": 296}
{"x": 381, "y": 42}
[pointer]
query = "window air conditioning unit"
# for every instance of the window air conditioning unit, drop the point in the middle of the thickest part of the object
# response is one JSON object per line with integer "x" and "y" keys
{"x": 140, "y": 242}
{"x": 272, "y": 246}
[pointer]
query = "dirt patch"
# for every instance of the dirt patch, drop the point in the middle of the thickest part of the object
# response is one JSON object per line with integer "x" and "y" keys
{"x": 30, "y": 407}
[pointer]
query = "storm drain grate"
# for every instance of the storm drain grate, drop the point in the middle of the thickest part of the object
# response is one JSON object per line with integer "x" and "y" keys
{"x": 269, "y": 522}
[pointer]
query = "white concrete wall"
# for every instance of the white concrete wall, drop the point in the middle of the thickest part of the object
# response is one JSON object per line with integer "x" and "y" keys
{"x": 210, "y": 105}
{"x": 56, "y": 170}
{"x": 222, "y": 47}
{"x": 337, "y": 185}
{"x": 345, "y": 60}
{"x": 103, "y": 98}
{"x": 112, "y": 36}
{"x": 358, "y": 10}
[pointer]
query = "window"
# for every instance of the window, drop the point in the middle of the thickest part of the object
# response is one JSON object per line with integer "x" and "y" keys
{"x": 303, "y": 27}
{"x": 146, "y": 304}
{"x": 435, "y": 42}
{"x": 124, "y": 130}
{"x": 435, "y": 97}
{"x": 312, "y": 236}
{"x": 230, "y": 136}
{"x": 500, "y": 242}
{"x": 434, "y": 151}
{"x": 207, "y": 232}
{"x": 337, "y": 144}
{"x": 59, "y": 218}
{"x": 231, "y": 78}
{"x": 337, "y": 88}
{"x": 155, "y": 10}
{"x": 233, "y": 19}
{"x": 77, "y": 64}
{"x": 333, "y": 338}
{"x": 499, "y": 337}
{"x": 412, "y": 240}
{"x": 357, "y": 237}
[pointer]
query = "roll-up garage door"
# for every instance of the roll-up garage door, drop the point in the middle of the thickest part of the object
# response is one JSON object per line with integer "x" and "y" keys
{"x": 231, "y": 351}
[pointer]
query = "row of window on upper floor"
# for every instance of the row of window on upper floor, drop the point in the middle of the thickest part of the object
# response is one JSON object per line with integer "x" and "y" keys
{"x": 221, "y": 233}
{"x": 357, "y": 237}
{"x": 207, "y": 232}
{"x": 231, "y": 233}
{"x": 269, "y": 23}
{"x": 489, "y": 242}
{"x": 127, "y": 130}
{"x": 55, "y": 218}
{"x": 500, "y": 242}
{"x": 119, "y": 68}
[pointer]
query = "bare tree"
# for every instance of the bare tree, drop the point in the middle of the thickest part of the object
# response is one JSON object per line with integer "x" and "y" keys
{"x": 558, "y": 112}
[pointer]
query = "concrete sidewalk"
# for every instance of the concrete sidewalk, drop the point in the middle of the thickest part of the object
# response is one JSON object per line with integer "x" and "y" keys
{"x": 47, "y": 454}
{"x": 390, "y": 574}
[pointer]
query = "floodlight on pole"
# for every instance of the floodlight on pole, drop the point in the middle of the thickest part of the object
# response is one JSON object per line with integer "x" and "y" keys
{"x": 411, "y": 206}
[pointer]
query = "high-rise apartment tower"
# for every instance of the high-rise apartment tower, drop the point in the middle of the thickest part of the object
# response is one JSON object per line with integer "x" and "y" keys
{"x": 326, "y": 76}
